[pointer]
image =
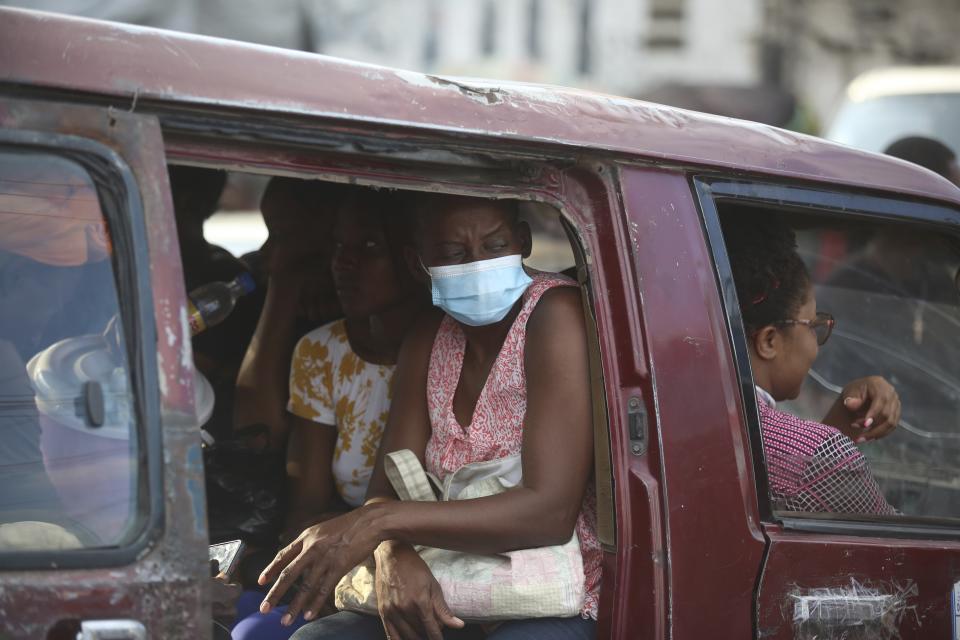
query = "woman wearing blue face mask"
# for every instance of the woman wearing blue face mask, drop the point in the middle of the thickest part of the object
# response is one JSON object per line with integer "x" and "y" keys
{"x": 503, "y": 362}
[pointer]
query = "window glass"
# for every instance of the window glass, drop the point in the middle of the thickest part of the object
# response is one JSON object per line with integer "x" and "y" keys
{"x": 68, "y": 446}
{"x": 892, "y": 290}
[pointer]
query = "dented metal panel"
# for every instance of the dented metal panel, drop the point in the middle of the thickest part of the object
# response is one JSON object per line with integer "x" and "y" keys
{"x": 856, "y": 587}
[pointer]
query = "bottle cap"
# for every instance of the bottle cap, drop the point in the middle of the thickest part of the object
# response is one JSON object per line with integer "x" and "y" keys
{"x": 246, "y": 282}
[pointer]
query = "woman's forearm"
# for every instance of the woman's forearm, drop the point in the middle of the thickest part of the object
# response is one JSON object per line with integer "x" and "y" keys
{"x": 518, "y": 519}
{"x": 261, "y": 396}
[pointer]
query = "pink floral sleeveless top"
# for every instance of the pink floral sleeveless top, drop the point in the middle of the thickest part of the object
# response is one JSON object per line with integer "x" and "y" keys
{"x": 496, "y": 430}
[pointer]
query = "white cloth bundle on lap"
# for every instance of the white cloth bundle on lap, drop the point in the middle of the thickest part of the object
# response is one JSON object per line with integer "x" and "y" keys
{"x": 545, "y": 582}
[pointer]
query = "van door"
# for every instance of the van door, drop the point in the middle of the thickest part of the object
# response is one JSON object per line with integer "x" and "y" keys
{"x": 706, "y": 559}
{"x": 102, "y": 520}
{"x": 839, "y": 564}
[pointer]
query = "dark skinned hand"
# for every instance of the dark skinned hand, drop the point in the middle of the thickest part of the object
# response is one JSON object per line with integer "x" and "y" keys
{"x": 319, "y": 557}
{"x": 867, "y": 409}
{"x": 410, "y": 599}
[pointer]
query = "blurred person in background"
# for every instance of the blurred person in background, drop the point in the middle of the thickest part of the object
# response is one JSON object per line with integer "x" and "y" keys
{"x": 928, "y": 153}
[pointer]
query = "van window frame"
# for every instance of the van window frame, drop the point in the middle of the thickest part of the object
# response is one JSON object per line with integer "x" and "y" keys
{"x": 823, "y": 201}
{"x": 122, "y": 208}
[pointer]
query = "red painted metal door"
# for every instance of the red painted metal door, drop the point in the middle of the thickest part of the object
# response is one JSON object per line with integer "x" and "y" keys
{"x": 102, "y": 519}
{"x": 817, "y": 585}
{"x": 707, "y": 546}
{"x": 851, "y": 572}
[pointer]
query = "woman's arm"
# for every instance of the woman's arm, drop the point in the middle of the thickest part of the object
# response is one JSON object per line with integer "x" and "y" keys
{"x": 557, "y": 451}
{"x": 557, "y": 457}
{"x": 261, "y": 396}
{"x": 309, "y": 474}
{"x": 837, "y": 479}
{"x": 408, "y": 425}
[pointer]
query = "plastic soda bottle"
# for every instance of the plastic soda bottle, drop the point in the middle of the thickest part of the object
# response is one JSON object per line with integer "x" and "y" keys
{"x": 210, "y": 304}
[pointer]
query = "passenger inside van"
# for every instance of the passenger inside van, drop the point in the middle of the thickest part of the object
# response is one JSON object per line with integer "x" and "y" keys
{"x": 341, "y": 373}
{"x": 292, "y": 268}
{"x": 300, "y": 296}
{"x": 218, "y": 351}
{"x": 812, "y": 466}
{"x": 480, "y": 379}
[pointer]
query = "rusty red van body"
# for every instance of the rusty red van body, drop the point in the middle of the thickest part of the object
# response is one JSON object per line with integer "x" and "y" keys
{"x": 693, "y": 547}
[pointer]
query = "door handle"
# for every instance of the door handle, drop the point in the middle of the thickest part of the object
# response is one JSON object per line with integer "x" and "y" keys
{"x": 112, "y": 630}
{"x": 815, "y": 611}
{"x": 843, "y": 608}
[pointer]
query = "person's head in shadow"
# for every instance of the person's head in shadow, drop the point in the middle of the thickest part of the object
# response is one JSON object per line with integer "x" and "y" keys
{"x": 777, "y": 302}
{"x": 196, "y": 194}
{"x": 928, "y": 153}
{"x": 369, "y": 271}
{"x": 299, "y": 216}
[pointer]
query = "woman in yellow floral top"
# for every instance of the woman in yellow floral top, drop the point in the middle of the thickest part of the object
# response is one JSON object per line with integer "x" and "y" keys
{"x": 341, "y": 372}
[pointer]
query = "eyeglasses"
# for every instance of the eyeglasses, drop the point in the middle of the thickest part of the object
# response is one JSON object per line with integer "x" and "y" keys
{"x": 821, "y": 326}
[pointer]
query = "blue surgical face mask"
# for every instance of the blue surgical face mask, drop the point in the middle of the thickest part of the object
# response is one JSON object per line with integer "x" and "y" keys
{"x": 479, "y": 293}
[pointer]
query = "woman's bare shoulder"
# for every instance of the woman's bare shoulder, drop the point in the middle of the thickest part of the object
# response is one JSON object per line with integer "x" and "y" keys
{"x": 560, "y": 308}
{"x": 419, "y": 339}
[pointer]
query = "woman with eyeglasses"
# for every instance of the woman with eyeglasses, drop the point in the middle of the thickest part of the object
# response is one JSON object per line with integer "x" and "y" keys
{"x": 811, "y": 466}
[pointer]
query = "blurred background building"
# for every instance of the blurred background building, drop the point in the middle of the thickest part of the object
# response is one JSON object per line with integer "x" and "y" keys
{"x": 784, "y": 62}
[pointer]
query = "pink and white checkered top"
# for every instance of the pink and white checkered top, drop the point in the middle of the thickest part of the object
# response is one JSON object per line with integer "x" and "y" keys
{"x": 496, "y": 429}
{"x": 815, "y": 467}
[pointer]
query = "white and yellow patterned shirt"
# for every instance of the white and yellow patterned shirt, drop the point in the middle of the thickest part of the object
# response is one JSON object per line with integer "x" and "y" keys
{"x": 330, "y": 384}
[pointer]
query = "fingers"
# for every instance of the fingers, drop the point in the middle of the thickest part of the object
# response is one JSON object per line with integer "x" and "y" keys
{"x": 389, "y": 630}
{"x": 883, "y": 412}
{"x": 852, "y": 402}
{"x": 323, "y": 587}
{"x": 442, "y": 611}
{"x": 285, "y": 580}
{"x": 282, "y": 559}
{"x": 225, "y": 596}
{"x": 882, "y": 423}
{"x": 397, "y": 627}
{"x": 431, "y": 626}
{"x": 311, "y": 587}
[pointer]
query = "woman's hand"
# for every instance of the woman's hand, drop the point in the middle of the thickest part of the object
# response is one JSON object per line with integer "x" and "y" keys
{"x": 320, "y": 556}
{"x": 224, "y": 596}
{"x": 867, "y": 409}
{"x": 409, "y": 597}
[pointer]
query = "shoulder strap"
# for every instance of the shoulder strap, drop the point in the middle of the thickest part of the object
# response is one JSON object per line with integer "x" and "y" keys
{"x": 407, "y": 476}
